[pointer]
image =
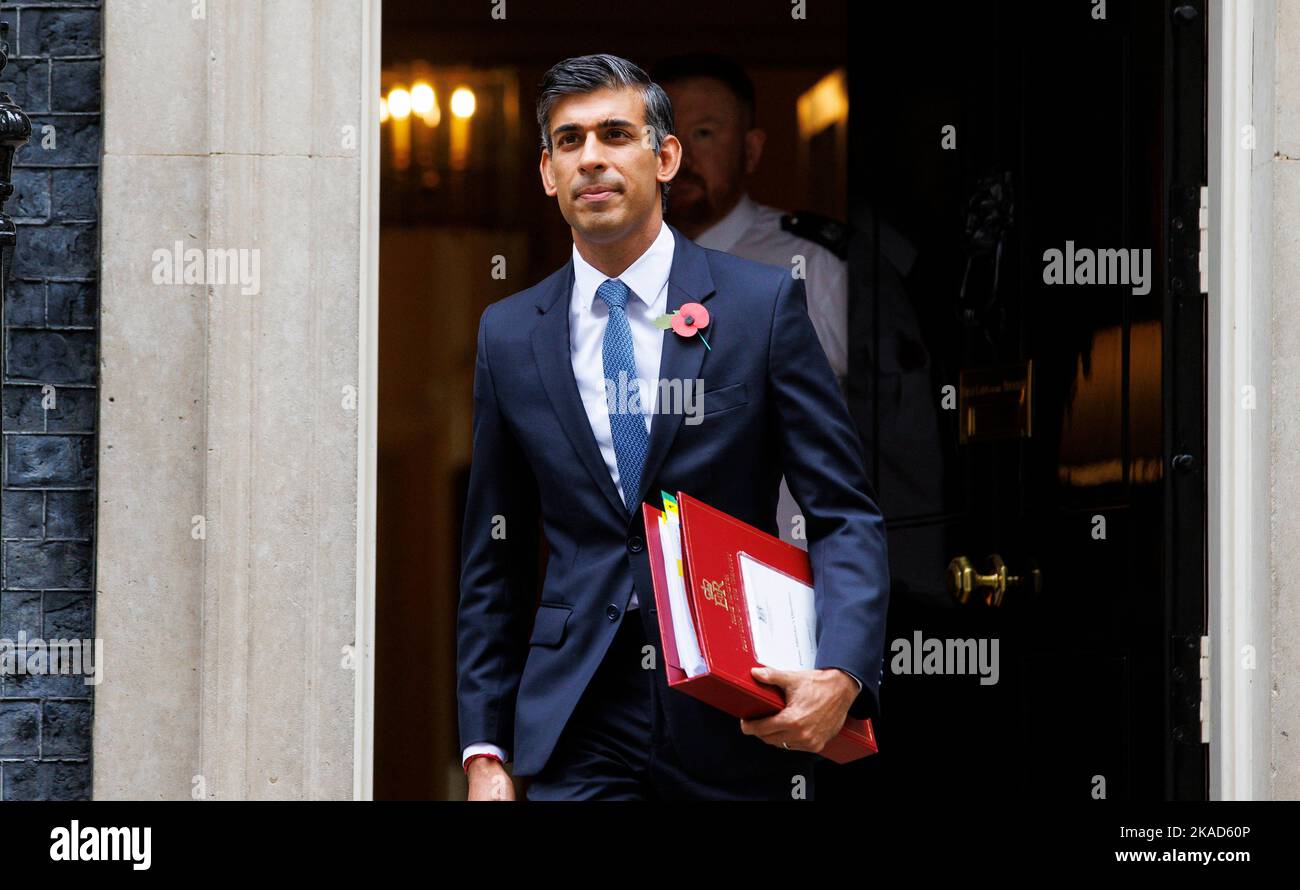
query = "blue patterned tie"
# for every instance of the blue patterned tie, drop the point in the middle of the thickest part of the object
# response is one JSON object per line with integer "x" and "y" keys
{"x": 631, "y": 440}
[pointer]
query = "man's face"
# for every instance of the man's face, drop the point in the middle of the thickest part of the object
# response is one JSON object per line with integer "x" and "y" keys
{"x": 602, "y": 166}
{"x": 717, "y": 150}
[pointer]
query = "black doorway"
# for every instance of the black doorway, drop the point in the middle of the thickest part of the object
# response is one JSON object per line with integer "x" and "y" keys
{"x": 1021, "y": 433}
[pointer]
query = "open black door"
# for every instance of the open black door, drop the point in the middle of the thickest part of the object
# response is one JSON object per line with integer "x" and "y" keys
{"x": 1028, "y": 377}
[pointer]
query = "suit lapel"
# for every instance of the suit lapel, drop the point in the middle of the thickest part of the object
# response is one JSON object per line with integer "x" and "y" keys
{"x": 555, "y": 366}
{"x": 680, "y": 358}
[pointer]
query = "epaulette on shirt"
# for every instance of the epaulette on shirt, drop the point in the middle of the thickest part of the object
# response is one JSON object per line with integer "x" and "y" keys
{"x": 829, "y": 233}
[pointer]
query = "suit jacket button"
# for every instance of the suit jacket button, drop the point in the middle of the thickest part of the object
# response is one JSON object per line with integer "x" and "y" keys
{"x": 635, "y": 544}
{"x": 611, "y": 612}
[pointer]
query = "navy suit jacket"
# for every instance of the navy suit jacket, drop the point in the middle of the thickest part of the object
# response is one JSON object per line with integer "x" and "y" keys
{"x": 770, "y": 405}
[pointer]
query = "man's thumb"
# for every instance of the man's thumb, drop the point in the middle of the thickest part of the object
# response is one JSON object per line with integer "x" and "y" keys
{"x": 768, "y": 675}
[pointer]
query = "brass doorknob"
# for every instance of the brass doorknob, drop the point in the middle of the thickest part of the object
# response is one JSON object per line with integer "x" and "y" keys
{"x": 964, "y": 581}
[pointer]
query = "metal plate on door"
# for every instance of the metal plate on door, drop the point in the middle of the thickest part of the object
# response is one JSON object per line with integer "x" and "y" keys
{"x": 996, "y": 403}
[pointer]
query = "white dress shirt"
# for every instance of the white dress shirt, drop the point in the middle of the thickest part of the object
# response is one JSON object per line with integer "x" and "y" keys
{"x": 647, "y": 278}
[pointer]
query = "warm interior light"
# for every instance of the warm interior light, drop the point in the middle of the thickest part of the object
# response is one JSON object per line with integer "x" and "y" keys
{"x": 462, "y": 102}
{"x": 399, "y": 103}
{"x": 422, "y": 99}
{"x": 383, "y": 110}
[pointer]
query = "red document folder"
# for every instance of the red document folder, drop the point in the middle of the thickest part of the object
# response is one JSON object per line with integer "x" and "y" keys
{"x": 712, "y": 542}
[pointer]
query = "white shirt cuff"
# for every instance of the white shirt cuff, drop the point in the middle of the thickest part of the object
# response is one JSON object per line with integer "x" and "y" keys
{"x": 482, "y": 748}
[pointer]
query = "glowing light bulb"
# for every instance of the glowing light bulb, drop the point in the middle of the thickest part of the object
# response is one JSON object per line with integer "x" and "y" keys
{"x": 463, "y": 102}
{"x": 399, "y": 103}
{"x": 422, "y": 99}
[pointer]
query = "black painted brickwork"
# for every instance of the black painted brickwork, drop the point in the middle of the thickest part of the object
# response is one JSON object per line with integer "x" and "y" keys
{"x": 51, "y": 338}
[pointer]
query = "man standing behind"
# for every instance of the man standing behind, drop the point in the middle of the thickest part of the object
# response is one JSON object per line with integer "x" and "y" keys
{"x": 714, "y": 107}
{"x": 574, "y": 686}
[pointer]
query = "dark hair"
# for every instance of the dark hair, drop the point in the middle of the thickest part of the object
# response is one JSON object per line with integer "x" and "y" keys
{"x": 586, "y": 74}
{"x": 721, "y": 68}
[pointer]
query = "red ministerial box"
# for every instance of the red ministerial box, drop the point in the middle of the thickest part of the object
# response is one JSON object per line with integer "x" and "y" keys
{"x": 712, "y": 542}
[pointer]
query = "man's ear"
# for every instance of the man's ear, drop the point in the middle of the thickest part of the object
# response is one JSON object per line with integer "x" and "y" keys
{"x": 670, "y": 158}
{"x": 754, "y": 141}
{"x": 548, "y": 178}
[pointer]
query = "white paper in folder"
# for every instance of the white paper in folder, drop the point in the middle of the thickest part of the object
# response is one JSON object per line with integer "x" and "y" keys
{"x": 782, "y": 616}
{"x": 688, "y": 644}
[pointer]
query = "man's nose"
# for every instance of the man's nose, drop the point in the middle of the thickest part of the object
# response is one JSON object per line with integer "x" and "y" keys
{"x": 593, "y": 154}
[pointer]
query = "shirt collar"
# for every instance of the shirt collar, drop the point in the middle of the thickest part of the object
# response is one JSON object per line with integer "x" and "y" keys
{"x": 645, "y": 277}
{"x": 724, "y": 234}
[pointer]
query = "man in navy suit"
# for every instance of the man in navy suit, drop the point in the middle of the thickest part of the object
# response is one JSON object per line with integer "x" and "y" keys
{"x": 583, "y": 409}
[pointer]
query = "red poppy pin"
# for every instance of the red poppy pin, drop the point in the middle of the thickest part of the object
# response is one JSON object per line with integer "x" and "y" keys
{"x": 687, "y": 321}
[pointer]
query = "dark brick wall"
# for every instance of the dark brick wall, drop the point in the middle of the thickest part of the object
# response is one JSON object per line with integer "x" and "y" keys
{"x": 51, "y": 338}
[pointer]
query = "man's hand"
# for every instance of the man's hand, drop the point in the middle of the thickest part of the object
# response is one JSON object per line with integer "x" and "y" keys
{"x": 488, "y": 780}
{"x": 816, "y": 705}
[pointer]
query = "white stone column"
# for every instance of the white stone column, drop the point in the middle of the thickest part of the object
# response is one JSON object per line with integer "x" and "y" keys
{"x": 1278, "y": 178}
{"x": 231, "y": 125}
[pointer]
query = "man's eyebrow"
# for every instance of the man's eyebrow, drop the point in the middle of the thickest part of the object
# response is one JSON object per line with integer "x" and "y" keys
{"x": 606, "y": 124}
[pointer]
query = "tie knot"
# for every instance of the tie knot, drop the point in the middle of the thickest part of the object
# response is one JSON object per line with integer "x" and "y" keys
{"x": 614, "y": 293}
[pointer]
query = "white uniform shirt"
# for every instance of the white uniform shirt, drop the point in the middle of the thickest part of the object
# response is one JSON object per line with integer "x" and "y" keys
{"x": 753, "y": 231}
